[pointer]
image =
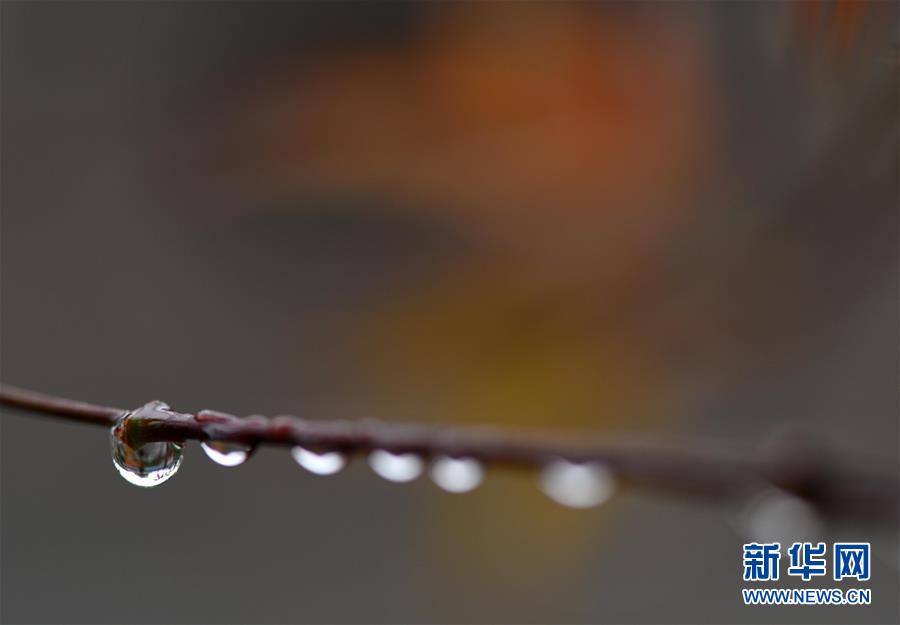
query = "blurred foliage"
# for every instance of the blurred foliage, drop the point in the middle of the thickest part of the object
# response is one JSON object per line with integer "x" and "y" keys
{"x": 646, "y": 211}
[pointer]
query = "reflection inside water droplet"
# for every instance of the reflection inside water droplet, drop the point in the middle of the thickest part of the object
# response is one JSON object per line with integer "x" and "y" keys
{"x": 577, "y": 485}
{"x": 457, "y": 475}
{"x": 326, "y": 463}
{"x": 147, "y": 465}
{"x": 396, "y": 467}
{"x": 225, "y": 453}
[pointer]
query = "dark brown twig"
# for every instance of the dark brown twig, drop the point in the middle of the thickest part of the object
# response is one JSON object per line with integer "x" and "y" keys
{"x": 705, "y": 470}
{"x": 58, "y": 406}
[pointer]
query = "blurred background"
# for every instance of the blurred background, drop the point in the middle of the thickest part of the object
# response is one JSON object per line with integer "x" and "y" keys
{"x": 675, "y": 219}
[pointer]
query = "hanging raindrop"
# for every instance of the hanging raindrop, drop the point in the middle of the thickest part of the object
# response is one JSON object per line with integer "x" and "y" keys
{"x": 577, "y": 485}
{"x": 774, "y": 515}
{"x": 327, "y": 463}
{"x": 457, "y": 475}
{"x": 225, "y": 453}
{"x": 148, "y": 465}
{"x": 396, "y": 467}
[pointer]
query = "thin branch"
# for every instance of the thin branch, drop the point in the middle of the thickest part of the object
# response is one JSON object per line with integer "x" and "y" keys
{"x": 707, "y": 470}
{"x": 59, "y": 407}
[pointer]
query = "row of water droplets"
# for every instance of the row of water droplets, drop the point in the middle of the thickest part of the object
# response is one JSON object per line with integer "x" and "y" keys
{"x": 572, "y": 484}
{"x": 770, "y": 515}
{"x": 577, "y": 485}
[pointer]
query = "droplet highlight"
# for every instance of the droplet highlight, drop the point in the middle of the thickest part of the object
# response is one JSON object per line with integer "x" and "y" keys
{"x": 148, "y": 465}
{"x": 396, "y": 467}
{"x": 577, "y": 485}
{"x": 457, "y": 475}
{"x": 227, "y": 454}
{"x": 773, "y": 515}
{"x": 327, "y": 463}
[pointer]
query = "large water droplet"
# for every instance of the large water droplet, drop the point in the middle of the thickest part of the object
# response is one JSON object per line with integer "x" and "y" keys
{"x": 457, "y": 475}
{"x": 147, "y": 465}
{"x": 396, "y": 467}
{"x": 577, "y": 485}
{"x": 227, "y": 454}
{"x": 326, "y": 463}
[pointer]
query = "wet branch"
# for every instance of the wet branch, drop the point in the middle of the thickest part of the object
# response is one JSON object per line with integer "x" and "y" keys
{"x": 707, "y": 470}
{"x": 59, "y": 407}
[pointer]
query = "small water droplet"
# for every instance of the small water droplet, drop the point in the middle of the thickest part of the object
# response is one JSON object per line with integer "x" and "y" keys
{"x": 148, "y": 465}
{"x": 775, "y": 515}
{"x": 457, "y": 475}
{"x": 577, "y": 485}
{"x": 227, "y": 454}
{"x": 396, "y": 467}
{"x": 327, "y": 463}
